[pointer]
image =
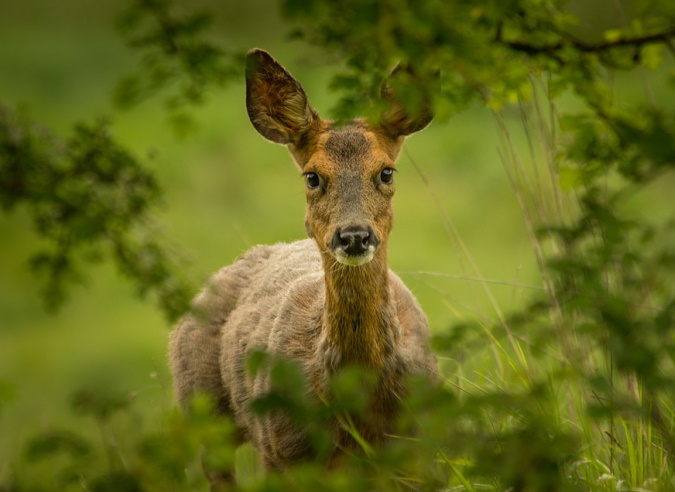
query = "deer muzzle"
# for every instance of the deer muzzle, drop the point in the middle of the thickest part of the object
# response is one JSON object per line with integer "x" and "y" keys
{"x": 354, "y": 245}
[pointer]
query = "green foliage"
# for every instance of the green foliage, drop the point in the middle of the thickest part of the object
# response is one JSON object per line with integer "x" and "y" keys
{"x": 485, "y": 49}
{"x": 578, "y": 391}
{"x": 163, "y": 460}
{"x": 609, "y": 303}
{"x": 608, "y": 309}
{"x": 88, "y": 198}
{"x": 177, "y": 58}
{"x": 55, "y": 441}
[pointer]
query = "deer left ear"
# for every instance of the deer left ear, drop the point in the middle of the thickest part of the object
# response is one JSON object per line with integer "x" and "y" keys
{"x": 276, "y": 103}
{"x": 408, "y": 101}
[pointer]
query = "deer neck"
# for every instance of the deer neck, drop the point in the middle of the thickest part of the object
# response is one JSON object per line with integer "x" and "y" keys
{"x": 358, "y": 317}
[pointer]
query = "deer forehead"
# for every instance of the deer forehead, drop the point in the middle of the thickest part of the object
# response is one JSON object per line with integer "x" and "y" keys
{"x": 349, "y": 151}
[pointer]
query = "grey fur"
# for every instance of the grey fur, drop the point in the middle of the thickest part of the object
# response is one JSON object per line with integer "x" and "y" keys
{"x": 347, "y": 145}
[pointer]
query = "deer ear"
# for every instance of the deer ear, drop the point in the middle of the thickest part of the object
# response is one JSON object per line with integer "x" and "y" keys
{"x": 276, "y": 102}
{"x": 407, "y": 99}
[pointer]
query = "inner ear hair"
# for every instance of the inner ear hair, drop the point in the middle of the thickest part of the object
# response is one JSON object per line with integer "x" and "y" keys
{"x": 276, "y": 102}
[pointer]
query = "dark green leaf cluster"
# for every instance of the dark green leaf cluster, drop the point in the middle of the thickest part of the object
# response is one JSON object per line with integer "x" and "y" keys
{"x": 485, "y": 49}
{"x": 177, "y": 57}
{"x": 88, "y": 198}
{"x": 159, "y": 460}
{"x": 439, "y": 440}
{"x": 434, "y": 445}
{"x": 638, "y": 144}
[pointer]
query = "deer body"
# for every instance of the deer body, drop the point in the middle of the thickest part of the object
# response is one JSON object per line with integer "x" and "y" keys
{"x": 328, "y": 302}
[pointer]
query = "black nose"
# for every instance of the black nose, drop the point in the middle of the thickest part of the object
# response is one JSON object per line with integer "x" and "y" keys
{"x": 353, "y": 240}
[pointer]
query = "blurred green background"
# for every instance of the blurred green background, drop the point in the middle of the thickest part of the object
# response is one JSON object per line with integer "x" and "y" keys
{"x": 225, "y": 189}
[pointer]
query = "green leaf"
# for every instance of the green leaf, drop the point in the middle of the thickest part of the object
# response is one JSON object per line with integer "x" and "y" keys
{"x": 570, "y": 178}
{"x": 651, "y": 56}
{"x": 117, "y": 482}
{"x": 53, "y": 442}
{"x": 613, "y": 35}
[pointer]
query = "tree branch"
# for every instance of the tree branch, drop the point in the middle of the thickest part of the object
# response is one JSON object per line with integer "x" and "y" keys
{"x": 551, "y": 49}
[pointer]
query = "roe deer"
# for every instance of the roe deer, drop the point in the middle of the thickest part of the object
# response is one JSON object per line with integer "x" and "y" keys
{"x": 327, "y": 302}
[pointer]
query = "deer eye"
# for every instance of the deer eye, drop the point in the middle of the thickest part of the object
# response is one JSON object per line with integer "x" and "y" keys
{"x": 387, "y": 175}
{"x": 312, "y": 180}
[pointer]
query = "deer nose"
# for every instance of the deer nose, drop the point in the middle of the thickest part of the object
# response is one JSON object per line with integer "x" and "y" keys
{"x": 353, "y": 240}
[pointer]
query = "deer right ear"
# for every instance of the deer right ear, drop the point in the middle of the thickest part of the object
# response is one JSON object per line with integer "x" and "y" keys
{"x": 407, "y": 100}
{"x": 276, "y": 102}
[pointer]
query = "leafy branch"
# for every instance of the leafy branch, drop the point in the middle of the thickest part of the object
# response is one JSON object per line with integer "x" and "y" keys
{"x": 177, "y": 58}
{"x": 88, "y": 197}
{"x": 665, "y": 36}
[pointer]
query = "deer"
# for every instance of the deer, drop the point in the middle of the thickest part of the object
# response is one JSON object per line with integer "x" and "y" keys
{"x": 326, "y": 302}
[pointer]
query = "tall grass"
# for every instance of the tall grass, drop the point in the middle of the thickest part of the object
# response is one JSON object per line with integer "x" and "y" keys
{"x": 619, "y": 445}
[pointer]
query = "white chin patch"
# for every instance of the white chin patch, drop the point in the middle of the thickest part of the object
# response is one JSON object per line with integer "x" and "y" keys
{"x": 359, "y": 260}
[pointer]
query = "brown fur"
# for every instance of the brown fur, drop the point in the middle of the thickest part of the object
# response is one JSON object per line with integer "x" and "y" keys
{"x": 298, "y": 300}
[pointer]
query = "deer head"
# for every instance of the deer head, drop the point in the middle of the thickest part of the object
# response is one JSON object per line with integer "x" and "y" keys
{"x": 348, "y": 169}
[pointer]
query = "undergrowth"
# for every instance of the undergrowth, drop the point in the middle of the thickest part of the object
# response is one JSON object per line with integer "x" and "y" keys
{"x": 573, "y": 392}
